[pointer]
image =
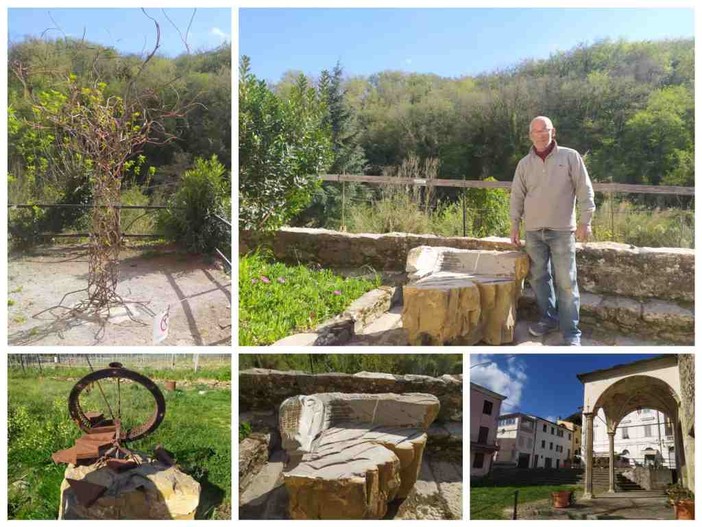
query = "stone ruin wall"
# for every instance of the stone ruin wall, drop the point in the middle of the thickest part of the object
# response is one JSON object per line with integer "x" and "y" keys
{"x": 262, "y": 389}
{"x": 603, "y": 267}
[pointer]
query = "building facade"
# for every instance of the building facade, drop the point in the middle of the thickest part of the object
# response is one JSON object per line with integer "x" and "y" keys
{"x": 484, "y": 410}
{"x": 576, "y": 443}
{"x": 644, "y": 437}
{"x": 527, "y": 441}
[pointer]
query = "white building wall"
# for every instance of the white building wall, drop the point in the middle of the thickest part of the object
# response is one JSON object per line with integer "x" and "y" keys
{"x": 636, "y": 433}
{"x": 515, "y": 439}
{"x": 552, "y": 446}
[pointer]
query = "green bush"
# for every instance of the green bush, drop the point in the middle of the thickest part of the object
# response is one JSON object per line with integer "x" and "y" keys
{"x": 283, "y": 146}
{"x": 202, "y": 195}
{"x": 624, "y": 222}
{"x": 396, "y": 213}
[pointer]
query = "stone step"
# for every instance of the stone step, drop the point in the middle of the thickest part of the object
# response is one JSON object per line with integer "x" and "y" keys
{"x": 392, "y": 319}
{"x": 265, "y": 496}
{"x": 437, "y": 493}
{"x": 664, "y": 321}
{"x": 631, "y": 494}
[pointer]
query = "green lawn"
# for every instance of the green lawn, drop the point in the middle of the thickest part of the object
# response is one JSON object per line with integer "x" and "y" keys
{"x": 277, "y": 300}
{"x": 488, "y": 503}
{"x": 196, "y": 429}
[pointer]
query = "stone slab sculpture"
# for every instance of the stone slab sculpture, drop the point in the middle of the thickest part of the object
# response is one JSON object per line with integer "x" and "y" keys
{"x": 461, "y": 296}
{"x": 150, "y": 491}
{"x": 349, "y": 455}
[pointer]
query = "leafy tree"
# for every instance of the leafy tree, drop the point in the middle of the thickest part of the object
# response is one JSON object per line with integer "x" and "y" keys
{"x": 283, "y": 146}
{"x": 348, "y": 157}
{"x": 663, "y": 130}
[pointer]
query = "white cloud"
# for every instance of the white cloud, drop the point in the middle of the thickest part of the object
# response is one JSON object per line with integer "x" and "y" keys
{"x": 508, "y": 381}
{"x": 219, "y": 33}
{"x": 408, "y": 61}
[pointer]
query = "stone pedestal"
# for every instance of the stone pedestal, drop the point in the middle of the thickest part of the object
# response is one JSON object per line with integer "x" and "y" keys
{"x": 459, "y": 296}
{"x": 151, "y": 491}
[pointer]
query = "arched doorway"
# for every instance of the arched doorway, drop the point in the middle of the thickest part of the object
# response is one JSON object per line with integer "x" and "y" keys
{"x": 621, "y": 390}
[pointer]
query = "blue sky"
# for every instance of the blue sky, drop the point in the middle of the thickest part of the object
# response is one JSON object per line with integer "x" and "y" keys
{"x": 542, "y": 384}
{"x": 447, "y": 42}
{"x": 127, "y": 30}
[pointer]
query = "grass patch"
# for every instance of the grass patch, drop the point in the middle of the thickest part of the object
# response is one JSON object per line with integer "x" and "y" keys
{"x": 277, "y": 300}
{"x": 489, "y": 503}
{"x": 197, "y": 429}
{"x": 221, "y": 373}
{"x": 244, "y": 430}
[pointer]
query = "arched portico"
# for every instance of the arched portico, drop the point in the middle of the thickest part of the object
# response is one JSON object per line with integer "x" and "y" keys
{"x": 618, "y": 391}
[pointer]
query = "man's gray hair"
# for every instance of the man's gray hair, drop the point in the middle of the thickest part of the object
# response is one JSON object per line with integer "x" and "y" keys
{"x": 543, "y": 118}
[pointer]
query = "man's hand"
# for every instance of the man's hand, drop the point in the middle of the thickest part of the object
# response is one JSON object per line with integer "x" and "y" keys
{"x": 583, "y": 232}
{"x": 515, "y": 237}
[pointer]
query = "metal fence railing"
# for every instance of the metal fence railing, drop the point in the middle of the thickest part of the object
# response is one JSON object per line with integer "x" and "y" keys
{"x": 617, "y": 219}
{"x": 222, "y": 252}
{"x": 125, "y": 230}
{"x": 229, "y": 252}
{"x": 56, "y": 362}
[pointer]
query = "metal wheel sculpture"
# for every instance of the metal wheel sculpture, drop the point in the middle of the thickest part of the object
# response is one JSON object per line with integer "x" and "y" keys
{"x": 117, "y": 397}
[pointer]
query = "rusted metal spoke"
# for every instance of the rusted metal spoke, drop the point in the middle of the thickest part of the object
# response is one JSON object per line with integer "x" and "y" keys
{"x": 119, "y": 400}
{"x": 109, "y": 408}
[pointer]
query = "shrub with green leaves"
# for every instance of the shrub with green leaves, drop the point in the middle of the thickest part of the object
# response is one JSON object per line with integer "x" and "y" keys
{"x": 283, "y": 146}
{"x": 202, "y": 195}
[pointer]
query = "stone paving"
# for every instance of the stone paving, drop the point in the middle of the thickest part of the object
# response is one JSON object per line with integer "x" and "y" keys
{"x": 386, "y": 330}
{"x": 618, "y": 507}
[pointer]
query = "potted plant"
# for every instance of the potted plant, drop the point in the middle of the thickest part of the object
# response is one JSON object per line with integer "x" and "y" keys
{"x": 683, "y": 501}
{"x": 562, "y": 498}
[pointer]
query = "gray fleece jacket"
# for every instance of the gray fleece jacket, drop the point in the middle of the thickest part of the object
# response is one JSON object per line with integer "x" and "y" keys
{"x": 544, "y": 192}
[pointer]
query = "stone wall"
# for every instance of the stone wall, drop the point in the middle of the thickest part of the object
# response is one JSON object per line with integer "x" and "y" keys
{"x": 261, "y": 389}
{"x": 603, "y": 268}
{"x": 686, "y": 369}
{"x": 649, "y": 478}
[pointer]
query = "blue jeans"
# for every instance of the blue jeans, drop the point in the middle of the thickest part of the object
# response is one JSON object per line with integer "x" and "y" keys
{"x": 552, "y": 255}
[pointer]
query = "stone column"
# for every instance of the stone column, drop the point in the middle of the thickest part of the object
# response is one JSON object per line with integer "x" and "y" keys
{"x": 680, "y": 459}
{"x": 587, "y": 447}
{"x": 611, "y": 459}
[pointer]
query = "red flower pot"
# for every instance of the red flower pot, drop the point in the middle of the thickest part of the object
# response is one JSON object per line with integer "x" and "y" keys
{"x": 561, "y": 499}
{"x": 684, "y": 510}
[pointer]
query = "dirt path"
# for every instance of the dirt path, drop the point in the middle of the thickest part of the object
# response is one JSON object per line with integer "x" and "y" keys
{"x": 198, "y": 293}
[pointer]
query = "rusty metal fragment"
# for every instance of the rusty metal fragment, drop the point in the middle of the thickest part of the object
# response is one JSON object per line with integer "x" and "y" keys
{"x": 86, "y": 492}
{"x": 120, "y": 465}
{"x": 95, "y": 417}
{"x": 86, "y": 449}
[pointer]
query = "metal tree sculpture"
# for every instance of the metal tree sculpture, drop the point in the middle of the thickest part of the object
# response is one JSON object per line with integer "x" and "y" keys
{"x": 104, "y": 131}
{"x": 107, "y": 132}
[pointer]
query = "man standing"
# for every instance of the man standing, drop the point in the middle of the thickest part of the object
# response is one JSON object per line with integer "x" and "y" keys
{"x": 544, "y": 190}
